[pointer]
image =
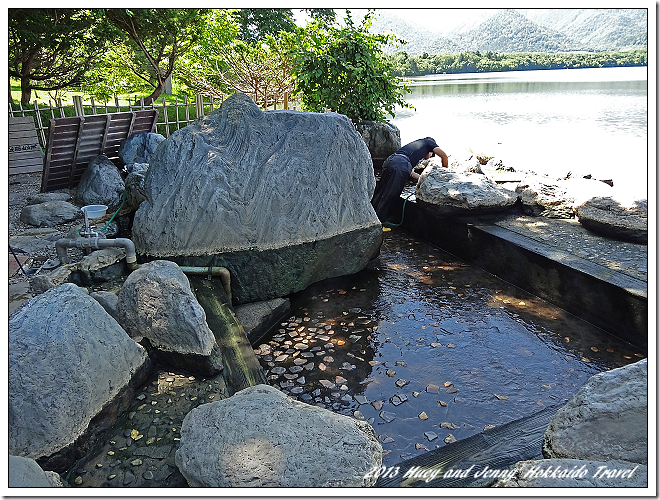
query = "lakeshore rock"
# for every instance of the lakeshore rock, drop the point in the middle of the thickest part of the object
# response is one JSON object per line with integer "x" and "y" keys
{"x": 156, "y": 303}
{"x": 259, "y": 317}
{"x": 108, "y": 300}
{"x": 524, "y": 474}
{"x": 68, "y": 359}
{"x": 46, "y": 197}
{"x": 100, "y": 184}
{"x": 134, "y": 183}
{"x": 26, "y": 473}
{"x": 605, "y": 420}
{"x": 382, "y": 139}
{"x": 443, "y": 192}
{"x": 50, "y": 213}
{"x": 280, "y": 198}
{"x": 262, "y": 438}
{"x": 616, "y": 217}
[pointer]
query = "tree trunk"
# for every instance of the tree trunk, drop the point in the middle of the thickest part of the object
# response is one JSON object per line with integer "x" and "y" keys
{"x": 156, "y": 93}
{"x": 26, "y": 90}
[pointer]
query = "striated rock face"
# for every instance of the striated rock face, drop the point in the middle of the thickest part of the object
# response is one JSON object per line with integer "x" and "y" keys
{"x": 605, "y": 420}
{"x": 260, "y": 437}
{"x": 68, "y": 358}
{"x": 444, "y": 192}
{"x": 280, "y": 198}
{"x": 615, "y": 217}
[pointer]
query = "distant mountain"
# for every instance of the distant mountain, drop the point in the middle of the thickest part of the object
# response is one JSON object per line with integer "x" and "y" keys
{"x": 525, "y": 30}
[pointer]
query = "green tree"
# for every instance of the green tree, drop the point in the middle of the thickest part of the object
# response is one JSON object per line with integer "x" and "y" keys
{"x": 343, "y": 68}
{"x": 157, "y": 38}
{"x": 52, "y": 49}
{"x": 256, "y": 24}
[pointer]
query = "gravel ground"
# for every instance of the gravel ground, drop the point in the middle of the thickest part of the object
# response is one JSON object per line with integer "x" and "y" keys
{"x": 21, "y": 188}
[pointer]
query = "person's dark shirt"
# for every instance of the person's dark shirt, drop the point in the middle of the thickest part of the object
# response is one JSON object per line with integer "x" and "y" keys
{"x": 417, "y": 150}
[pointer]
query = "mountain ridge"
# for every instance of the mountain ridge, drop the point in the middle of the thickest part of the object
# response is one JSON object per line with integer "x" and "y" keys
{"x": 524, "y": 30}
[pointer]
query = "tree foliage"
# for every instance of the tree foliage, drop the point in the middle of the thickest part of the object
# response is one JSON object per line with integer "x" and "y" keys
{"x": 478, "y": 62}
{"x": 256, "y": 24}
{"x": 343, "y": 68}
{"x": 52, "y": 49}
{"x": 157, "y": 38}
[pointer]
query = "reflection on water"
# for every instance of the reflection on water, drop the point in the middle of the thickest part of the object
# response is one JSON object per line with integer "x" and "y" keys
{"x": 430, "y": 349}
{"x": 587, "y": 121}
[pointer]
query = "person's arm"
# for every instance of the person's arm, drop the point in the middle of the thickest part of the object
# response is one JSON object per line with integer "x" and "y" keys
{"x": 443, "y": 155}
{"x": 414, "y": 175}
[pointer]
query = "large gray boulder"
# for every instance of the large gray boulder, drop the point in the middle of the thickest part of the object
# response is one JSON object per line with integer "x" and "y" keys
{"x": 68, "y": 360}
{"x": 569, "y": 473}
{"x": 605, "y": 420}
{"x": 280, "y": 198}
{"x": 100, "y": 184}
{"x": 50, "y": 213}
{"x": 444, "y": 192}
{"x": 260, "y": 437}
{"x": 156, "y": 303}
{"x": 382, "y": 139}
{"x": 616, "y": 216}
{"x": 139, "y": 148}
{"x": 26, "y": 473}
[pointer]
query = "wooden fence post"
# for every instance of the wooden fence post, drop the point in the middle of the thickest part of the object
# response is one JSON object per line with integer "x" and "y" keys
{"x": 199, "y": 105}
{"x": 40, "y": 127}
{"x": 78, "y": 105}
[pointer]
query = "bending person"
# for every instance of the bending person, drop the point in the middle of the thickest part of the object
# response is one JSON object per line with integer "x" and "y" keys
{"x": 396, "y": 171}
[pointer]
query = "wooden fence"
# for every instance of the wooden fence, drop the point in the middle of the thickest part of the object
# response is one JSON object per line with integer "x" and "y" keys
{"x": 184, "y": 111}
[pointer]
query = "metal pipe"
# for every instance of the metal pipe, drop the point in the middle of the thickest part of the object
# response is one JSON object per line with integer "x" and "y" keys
{"x": 221, "y": 272}
{"x": 97, "y": 243}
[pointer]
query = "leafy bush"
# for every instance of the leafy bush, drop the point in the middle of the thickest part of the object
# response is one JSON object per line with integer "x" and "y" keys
{"x": 343, "y": 69}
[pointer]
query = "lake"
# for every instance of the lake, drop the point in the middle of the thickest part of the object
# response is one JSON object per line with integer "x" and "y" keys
{"x": 584, "y": 121}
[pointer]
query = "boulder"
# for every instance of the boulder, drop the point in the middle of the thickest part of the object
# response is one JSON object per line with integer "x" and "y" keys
{"x": 134, "y": 183}
{"x": 108, "y": 300}
{"x": 543, "y": 196}
{"x": 100, "y": 184}
{"x": 381, "y": 138}
{"x": 26, "y": 473}
{"x": 569, "y": 473}
{"x": 156, "y": 303}
{"x": 260, "y": 437}
{"x": 444, "y": 193}
{"x": 280, "y": 198}
{"x": 34, "y": 240}
{"x": 616, "y": 216}
{"x": 69, "y": 360}
{"x": 258, "y": 318}
{"x": 45, "y": 197}
{"x": 605, "y": 420}
{"x": 50, "y": 213}
{"x": 139, "y": 148}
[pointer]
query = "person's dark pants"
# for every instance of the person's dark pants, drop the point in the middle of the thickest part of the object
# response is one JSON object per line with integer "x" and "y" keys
{"x": 394, "y": 176}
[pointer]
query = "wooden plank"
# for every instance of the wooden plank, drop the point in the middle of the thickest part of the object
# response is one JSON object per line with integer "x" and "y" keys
{"x": 24, "y": 152}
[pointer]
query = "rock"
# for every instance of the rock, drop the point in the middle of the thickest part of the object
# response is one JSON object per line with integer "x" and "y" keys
{"x": 34, "y": 240}
{"x": 280, "y": 198}
{"x": 50, "y": 213}
{"x": 156, "y": 303}
{"x": 26, "y": 473}
{"x": 100, "y": 184}
{"x": 108, "y": 300}
{"x": 134, "y": 186}
{"x": 605, "y": 420}
{"x": 259, "y": 437}
{"x": 46, "y": 197}
{"x": 542, "y": 196}
{"x": 443, "y": 193}
{"x": 139, "y": 148}
{"x": 616, "y": 217}
{"x": 382, "y": 139}
{"x": 586, "y": 474}
{"x": 68, "y": 359}
{"x": 100, "y": 265}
